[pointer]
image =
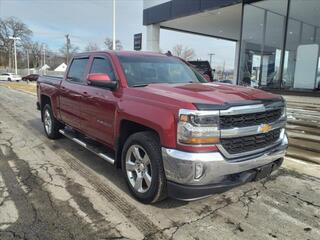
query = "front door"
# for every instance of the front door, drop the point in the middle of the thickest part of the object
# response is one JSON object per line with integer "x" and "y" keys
{"x": 99, "y": 104}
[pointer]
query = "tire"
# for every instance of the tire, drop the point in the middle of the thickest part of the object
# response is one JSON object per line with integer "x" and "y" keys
{"x": 149, "y": 148}
{"x": 9, "y": 79}
{"x": 50, "y": 124}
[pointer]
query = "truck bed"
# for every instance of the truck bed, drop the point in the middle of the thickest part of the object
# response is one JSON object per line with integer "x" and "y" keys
{"x": 51, "y": 80}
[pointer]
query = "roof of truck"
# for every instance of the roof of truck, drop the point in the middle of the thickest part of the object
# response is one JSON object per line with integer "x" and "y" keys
{"x": 124, "y": 53}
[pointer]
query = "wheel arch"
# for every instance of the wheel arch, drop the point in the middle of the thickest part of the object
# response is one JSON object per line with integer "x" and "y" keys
{"x": 126, "y": 129}
{"x": 44, "y": 99}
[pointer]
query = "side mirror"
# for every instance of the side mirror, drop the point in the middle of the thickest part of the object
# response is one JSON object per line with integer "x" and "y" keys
{"x": 101, "y": 80}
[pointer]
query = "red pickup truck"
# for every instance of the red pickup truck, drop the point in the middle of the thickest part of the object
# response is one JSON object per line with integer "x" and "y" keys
{"x": 172, "y": 132}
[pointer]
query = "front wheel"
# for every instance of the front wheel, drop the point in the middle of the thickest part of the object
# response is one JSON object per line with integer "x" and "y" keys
{"x": 50, "y": 123}
{"x": 143, "y": 168}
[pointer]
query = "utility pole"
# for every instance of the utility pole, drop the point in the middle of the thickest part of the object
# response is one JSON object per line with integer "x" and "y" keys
{"x": 114, "y": 26}
{"x": 224, "y": 68}
{"x": 211, "y": 55}
{"x": 15, "y": 53}
{"x": 68, "y": 44}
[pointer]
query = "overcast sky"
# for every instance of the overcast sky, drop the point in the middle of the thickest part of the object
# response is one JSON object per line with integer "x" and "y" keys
{"x": 91, "y": 21}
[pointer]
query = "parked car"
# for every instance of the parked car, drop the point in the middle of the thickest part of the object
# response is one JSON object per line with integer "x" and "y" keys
{"x": 31, "y": 77}
{"x": 170, "y": 131}
{"x": 204, "y": 68}
{"x": 10, "y": 77}
{"x": 226, "y": 81}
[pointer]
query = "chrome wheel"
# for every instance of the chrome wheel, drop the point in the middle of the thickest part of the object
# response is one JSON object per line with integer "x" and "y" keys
{"x": 138, "y": 168}
{"x": 47, "y": 121}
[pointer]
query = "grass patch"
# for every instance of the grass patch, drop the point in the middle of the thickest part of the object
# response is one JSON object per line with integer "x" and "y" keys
{"x": 21, "y": 86}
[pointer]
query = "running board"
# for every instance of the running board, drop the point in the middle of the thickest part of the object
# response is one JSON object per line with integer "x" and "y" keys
{"x": 99, "y": 151}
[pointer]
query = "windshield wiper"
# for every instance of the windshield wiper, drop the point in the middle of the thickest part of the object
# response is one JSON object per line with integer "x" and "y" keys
{"x": 140, "y": 85}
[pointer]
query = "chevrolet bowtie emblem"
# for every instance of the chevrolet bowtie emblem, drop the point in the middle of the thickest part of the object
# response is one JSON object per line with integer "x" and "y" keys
{"x": 264, "y": 128}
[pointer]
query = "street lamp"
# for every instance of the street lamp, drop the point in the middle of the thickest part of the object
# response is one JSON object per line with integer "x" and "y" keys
{"x": 15, "y": 52}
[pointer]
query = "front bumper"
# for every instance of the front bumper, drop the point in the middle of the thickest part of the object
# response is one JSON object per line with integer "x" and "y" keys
{"x": 219, "y": 173}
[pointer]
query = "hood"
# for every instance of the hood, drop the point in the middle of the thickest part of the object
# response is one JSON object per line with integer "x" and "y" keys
{"x": 204, "y": 93}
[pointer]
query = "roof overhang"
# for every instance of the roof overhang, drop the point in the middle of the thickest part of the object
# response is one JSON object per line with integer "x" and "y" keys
{"x": 220, "y": 19}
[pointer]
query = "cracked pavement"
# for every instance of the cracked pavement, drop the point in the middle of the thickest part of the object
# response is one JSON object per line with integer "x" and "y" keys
{"x": 58, "y": 190}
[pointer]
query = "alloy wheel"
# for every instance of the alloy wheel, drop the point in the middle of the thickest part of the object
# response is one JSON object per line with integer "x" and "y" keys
{"x": 138, "y": 168}
{"x": 47, "y": 121}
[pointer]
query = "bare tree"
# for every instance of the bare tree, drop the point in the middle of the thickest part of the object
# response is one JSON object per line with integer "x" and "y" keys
{"x": 12, "y": 27}
{"x": 184, "y": 52}
{"x": 92, "y": 47}
{"x": 109, "y": 43}
{"x": 72, "y": 50}
{"x": 35, "y": 51}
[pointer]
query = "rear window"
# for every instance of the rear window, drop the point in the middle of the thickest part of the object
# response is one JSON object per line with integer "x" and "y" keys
{"x": 4, "y": 74}
{"x": 77, "y": 69}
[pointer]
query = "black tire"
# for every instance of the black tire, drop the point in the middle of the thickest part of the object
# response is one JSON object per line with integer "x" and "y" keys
{"x": 149, "y": 141}
{"x": 51, "y": 131}
{"x": 9, "y": 79}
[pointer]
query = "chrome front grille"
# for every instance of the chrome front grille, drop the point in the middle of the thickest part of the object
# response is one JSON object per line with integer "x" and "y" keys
{"x": 250, "y": 119}
{"x": 249, "y": 130}
{"x": 250, "y": 143}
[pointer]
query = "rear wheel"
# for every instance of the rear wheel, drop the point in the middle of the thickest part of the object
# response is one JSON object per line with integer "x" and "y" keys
{"x": 50, "y": 123}
{"x": 143, "y": 168}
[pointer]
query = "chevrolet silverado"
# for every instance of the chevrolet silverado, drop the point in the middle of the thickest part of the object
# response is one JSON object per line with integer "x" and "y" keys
{"x": 170, "y": 131}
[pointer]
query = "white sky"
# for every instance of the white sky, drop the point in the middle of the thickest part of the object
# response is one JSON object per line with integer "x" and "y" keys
{"x": 91, "y": 21}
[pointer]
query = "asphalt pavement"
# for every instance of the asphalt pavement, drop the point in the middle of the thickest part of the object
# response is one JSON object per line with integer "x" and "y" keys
{"x": 58, "y": 190}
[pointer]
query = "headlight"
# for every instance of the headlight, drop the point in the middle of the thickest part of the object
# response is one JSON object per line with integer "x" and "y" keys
{"x": 198, "y": 127}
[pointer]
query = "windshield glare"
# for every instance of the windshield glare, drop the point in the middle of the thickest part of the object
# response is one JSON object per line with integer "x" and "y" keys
{"x": 140, "y": 70}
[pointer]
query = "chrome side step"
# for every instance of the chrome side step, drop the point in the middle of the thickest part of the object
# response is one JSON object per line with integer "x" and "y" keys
{"x": 99, "y": 151}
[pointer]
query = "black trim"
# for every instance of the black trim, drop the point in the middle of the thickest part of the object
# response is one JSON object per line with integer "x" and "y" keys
{"x": 284, "y": 44}
{"x": 197, "y": 33}
{"x": 227, "y": 105}
{"x": 240, "y": 46}
{"x": 191, "y": 192}
{"x": 251, "y": 1}
{"x": 180, "y": 8}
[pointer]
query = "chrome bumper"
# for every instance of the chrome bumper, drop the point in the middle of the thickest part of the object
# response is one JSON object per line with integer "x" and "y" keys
{"x": 180, "y": 166}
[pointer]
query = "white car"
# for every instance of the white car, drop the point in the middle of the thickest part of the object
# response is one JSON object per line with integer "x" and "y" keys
{"x": 10, "y": 77}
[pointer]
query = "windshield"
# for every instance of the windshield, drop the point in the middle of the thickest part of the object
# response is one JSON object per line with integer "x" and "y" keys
{"x": 143, "y": 70}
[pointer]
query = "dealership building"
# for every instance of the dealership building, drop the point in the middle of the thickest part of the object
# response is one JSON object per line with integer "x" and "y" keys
{"x": 277, "y": 41}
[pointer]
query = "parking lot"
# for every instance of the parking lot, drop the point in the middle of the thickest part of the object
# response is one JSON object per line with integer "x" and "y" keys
{"x": 58, "y": 190}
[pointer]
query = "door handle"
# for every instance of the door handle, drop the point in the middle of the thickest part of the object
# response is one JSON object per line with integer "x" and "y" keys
{"x": 85, "y": 93}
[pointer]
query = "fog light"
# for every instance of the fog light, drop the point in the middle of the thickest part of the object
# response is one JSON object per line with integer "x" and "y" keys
{"x": 198, "y": 172}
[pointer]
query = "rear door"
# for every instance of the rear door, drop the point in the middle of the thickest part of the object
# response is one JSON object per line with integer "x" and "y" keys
{"x": 99, "y": 104}
{"x": 71, "y": 92}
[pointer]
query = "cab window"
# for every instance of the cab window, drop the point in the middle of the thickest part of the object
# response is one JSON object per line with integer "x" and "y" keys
{"x": 77, "y": 70}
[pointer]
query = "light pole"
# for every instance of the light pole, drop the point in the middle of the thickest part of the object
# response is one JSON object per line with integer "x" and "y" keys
{"x": 44, "y": 59}
{"x": 15, "y": 52}
{"x": 114, "y": 26}
{"x": 28, "y": 62}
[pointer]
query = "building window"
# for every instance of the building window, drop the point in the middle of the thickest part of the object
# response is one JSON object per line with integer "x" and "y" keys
{"x": 301, "y": 68}
{"x": 262, "y": 43}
